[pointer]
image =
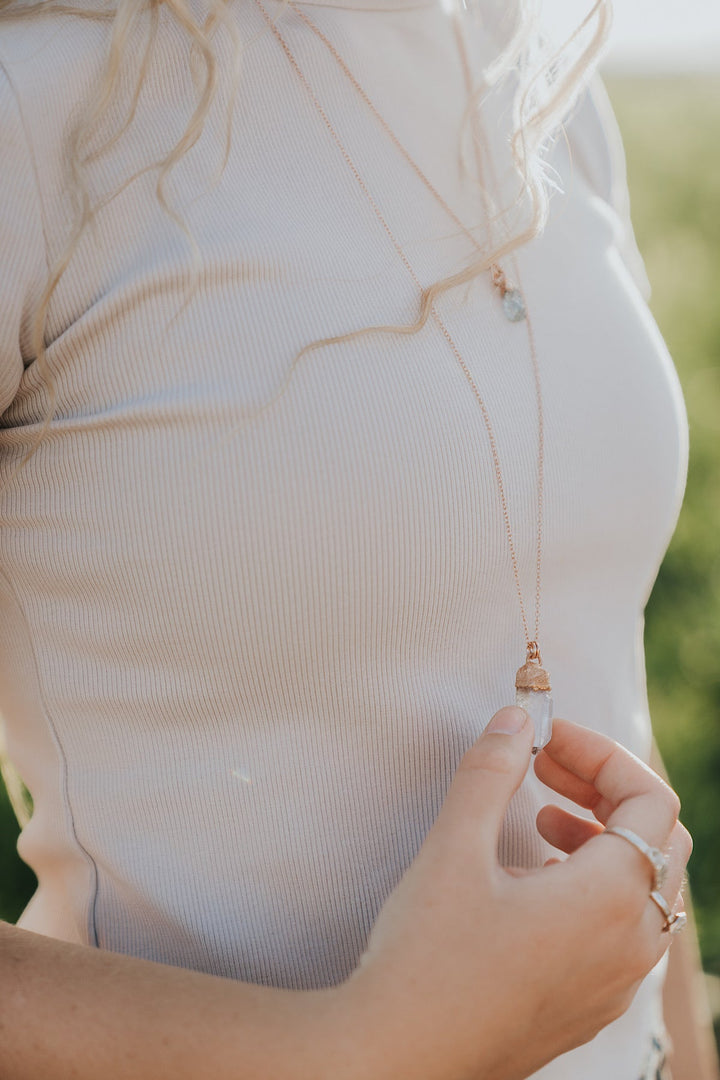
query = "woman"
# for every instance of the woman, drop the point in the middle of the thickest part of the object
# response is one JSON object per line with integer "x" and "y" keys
{"x": 276, "y": 517}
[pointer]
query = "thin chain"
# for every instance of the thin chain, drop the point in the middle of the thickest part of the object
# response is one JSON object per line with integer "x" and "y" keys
{"x": 477, "y": 123}
{"x": 498, "y": 279}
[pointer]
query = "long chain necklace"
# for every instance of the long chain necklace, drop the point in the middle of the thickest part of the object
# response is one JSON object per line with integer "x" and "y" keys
{"x": 532, "y": 682}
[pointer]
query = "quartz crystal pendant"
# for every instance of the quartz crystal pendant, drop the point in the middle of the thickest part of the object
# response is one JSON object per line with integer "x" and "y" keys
{"x": 514, "y": 305}
{"x": 533, "y": 693}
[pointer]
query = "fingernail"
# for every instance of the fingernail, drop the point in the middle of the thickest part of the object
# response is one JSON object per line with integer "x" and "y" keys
{"x": 508, "y": 721}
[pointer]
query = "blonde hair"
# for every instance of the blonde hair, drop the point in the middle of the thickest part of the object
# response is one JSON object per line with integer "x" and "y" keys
{"x": 549, "y": 83}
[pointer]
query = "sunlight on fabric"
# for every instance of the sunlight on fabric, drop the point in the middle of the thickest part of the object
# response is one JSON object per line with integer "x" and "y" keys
{"x": 241, "y": 773}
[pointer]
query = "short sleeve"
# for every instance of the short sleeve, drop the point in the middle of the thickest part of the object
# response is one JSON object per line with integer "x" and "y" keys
{"x": 23, "y": 263}
{"x": 597, "y": 149}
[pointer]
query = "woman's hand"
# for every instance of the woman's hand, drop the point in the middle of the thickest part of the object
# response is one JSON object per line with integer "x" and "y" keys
{"x": 473, "y": 971}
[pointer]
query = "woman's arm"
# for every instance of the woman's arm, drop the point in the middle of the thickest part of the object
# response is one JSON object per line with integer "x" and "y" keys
{"x": 687, "y": 1012}
{"x": 71, "y": 1011}
{"x": 462, "y": 956}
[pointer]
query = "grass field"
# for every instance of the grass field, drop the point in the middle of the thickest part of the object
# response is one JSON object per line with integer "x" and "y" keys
{"x": 671, "y": 129}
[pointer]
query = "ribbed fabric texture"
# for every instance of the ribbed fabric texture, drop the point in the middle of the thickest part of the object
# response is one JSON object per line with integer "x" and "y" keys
{"x": 254, "y": 612}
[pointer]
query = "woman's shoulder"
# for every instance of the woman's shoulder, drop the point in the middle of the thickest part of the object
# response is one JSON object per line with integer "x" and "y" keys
{"x": 595, "y": 138}
{"x": 23, "y": 261}
{"x": 597, "y": 151}
{"x": 48, "y": 65}
{"x": 49, "y": 62}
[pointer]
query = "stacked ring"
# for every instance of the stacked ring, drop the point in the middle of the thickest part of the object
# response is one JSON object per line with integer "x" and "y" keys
{"x": 673, "y": 922}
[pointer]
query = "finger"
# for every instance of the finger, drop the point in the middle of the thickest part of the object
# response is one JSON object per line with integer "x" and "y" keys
{"x": 569, "y": 785}
{"x": 488, "y": 776}
{"x": 566, "y": 783}
{"x": 564, "y": 830}
{"x": 629, "y": 792}
{"x": 624, "y": 875}
{"x": 679, "y": 850}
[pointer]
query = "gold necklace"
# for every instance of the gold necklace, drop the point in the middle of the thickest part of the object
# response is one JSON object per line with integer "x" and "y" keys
{"x": 532, "y": 682}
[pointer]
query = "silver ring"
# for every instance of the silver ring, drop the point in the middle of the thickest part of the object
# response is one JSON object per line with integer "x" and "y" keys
{"x": 673, "y": 923}
{"x": 677, "y": 923}
{"x": 659, "y": 899}
{"x": 655, "y": 857}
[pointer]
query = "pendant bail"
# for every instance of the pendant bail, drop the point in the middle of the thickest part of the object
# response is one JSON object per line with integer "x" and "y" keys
{"x": 498, "y": 278}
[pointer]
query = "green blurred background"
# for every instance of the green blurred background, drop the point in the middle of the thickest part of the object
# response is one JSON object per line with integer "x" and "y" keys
{"x": 671, "y": 128}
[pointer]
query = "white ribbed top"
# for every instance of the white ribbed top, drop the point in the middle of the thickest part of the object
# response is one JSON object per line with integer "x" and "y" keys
{"x": 242, "y": 648}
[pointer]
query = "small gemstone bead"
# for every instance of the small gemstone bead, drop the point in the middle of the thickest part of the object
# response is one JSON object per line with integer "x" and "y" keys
{"x": 514, "y": 305}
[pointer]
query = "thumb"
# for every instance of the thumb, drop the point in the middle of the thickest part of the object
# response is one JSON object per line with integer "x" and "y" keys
{"x": 487, "y": 777}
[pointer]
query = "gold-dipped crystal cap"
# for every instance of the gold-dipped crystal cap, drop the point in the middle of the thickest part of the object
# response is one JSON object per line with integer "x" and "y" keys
{"x": 532, "y": 675}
